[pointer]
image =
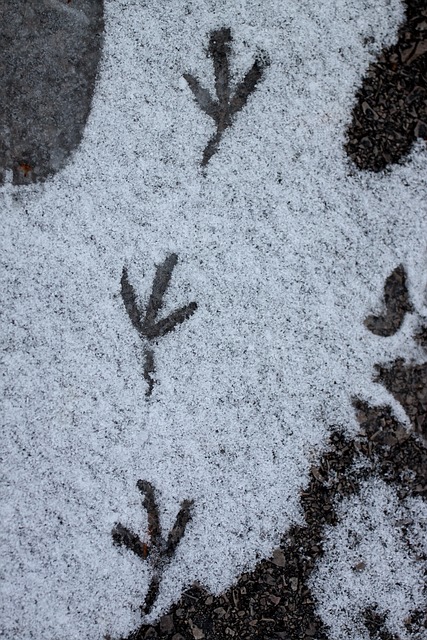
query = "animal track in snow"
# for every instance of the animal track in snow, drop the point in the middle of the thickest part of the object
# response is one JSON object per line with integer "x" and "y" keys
{"x": 226, "y": 106}
{"x": 159, "y": 550}
{"x": 147, "y": 325}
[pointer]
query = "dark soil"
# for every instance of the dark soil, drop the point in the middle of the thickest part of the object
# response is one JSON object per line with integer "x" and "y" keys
{"x": 396, "y": 303}
{"x": 391, "y": 106}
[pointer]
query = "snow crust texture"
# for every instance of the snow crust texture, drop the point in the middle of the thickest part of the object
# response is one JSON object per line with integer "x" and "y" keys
{"x": 372, "y": 559}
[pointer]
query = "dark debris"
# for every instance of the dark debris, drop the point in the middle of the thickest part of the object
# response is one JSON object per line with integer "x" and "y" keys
{"x": 407, "y": 383}
{"x": 375, "y": 623}
{"x": 391, "y": 105}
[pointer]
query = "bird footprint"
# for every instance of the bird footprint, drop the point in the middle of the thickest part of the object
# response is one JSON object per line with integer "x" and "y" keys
{"x": 158, "y": 551}
{"x": 226, "y": 106}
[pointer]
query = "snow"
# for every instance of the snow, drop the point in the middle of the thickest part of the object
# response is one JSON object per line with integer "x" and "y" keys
{"x": 283, "y": 245}
{"x": 369, "y": 563}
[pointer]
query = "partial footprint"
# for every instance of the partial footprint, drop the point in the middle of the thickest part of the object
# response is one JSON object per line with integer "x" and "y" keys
{"x": 397, "y": 303}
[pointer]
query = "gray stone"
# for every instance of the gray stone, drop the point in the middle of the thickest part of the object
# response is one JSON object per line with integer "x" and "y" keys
{"x": 50, "y": 50}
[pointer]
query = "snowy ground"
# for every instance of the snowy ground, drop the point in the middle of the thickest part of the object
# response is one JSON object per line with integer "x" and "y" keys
{"x": 285, "y": 248}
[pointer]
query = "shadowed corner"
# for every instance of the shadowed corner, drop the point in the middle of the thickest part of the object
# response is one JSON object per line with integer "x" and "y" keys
{"x": 50, "y": 58}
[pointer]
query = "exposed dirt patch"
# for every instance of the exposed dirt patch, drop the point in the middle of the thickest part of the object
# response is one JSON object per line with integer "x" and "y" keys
{"x": 391, "y": 105}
